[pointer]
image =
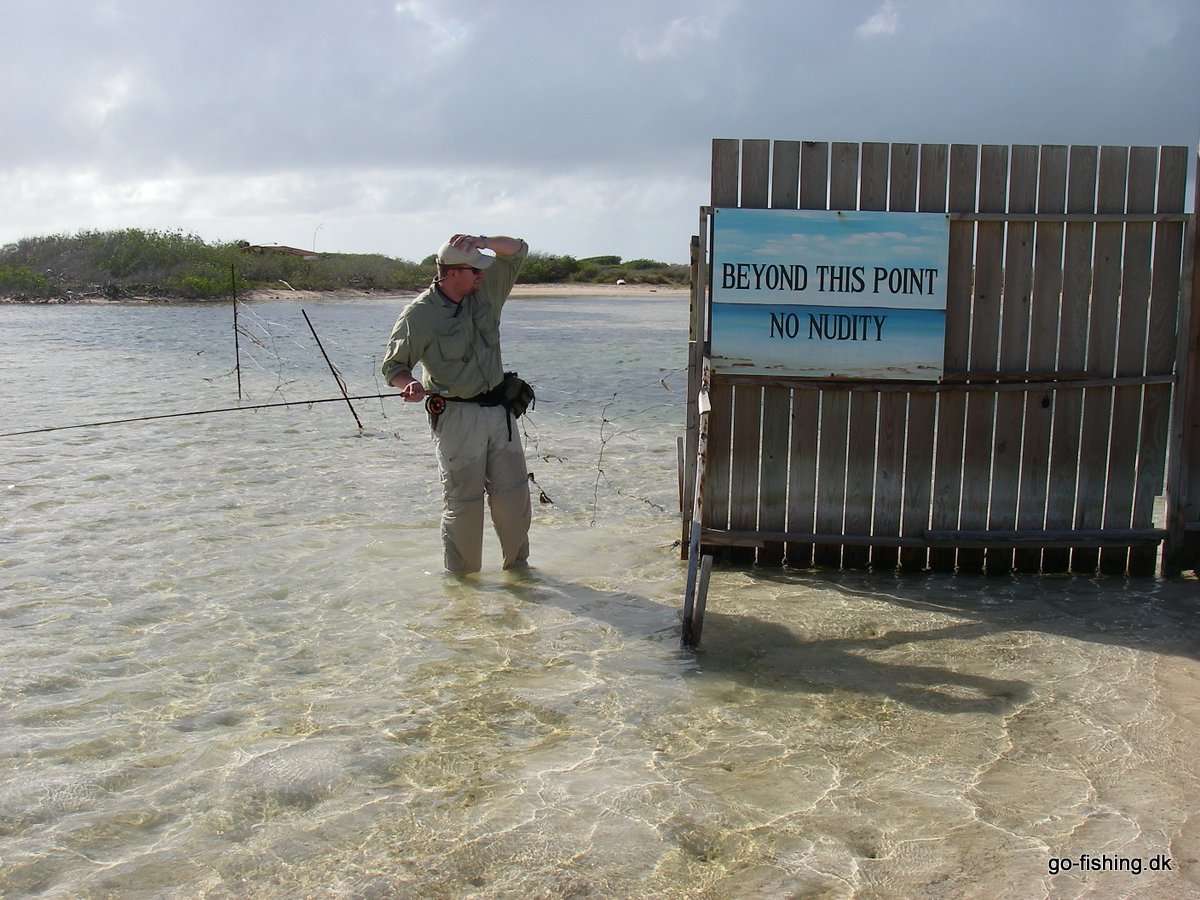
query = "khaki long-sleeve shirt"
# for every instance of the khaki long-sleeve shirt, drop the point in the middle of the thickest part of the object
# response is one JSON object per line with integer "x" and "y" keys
{"x": 457, "y": 345}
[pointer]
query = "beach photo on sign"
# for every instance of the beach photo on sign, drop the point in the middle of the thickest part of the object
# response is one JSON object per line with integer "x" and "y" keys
{"x": 816, "y": 293}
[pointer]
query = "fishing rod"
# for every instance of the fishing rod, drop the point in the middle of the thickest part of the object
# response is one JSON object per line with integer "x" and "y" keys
{"x": 198, "y": 412}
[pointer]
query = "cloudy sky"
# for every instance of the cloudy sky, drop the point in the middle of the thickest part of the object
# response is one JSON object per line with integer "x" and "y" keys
{"x": 382, "y": 126}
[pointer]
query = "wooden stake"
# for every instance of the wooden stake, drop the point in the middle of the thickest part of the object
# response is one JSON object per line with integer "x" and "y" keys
{"x": 336, "y": 377}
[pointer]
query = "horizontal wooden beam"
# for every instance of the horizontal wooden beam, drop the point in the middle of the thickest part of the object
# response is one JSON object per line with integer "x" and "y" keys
{"x": 975, "y": 381}
{"x": 1101, "y": 537}
{"x": 1067, "y": 217}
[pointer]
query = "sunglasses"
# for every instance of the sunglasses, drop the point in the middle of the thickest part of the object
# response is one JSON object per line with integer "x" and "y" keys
{"x": 473, "y": 270}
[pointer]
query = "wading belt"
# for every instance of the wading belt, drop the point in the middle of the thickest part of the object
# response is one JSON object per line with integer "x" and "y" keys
{"x": 435, "y": 405}
{"x": 513, "y": 393}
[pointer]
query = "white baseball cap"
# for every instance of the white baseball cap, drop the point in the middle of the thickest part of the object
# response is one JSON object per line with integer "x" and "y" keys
{"x": 449, "y": 255}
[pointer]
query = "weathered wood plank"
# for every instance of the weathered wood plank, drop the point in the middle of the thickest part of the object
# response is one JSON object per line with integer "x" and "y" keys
{"x": 802, "y": 475}
{"x": 726, "y": 154}
{"x": 717, "y": 477}
{"x": 1102, "y": 345}
{"x": 873, "y": 195}
{"x": 1072, "y": 351}
{"x": 831, "y": 488}
{"x": 902, "y": 183}
{"x": 873, "y": 181}
{"x": 1130, "y": 353}
{"x": 835, "y": 404}
{"x": 814, "y": 175}
{"x": 860, "y": 474}
{"x": 1148, "y": 537}
{"x": 904, "y": 165}
{"x": 889, "y": 477}
{"x": 843, "y": 175}
{"x": 985, "y": 347}
{"x": 726, "y": 161}
{"x": 747, "y": 401}
{"x": 1016, "y": 306}
{"x": 951, "y": 422}
{"x": 921, "y": 415}
{"x": 1043, "y": 346}
{"x": 756, "y": 174}
{"x": 772, "y": 487}
{"x": 1161, "y": 342}
{"x": 746, "y": 444}
{"x": 785, "y": 175}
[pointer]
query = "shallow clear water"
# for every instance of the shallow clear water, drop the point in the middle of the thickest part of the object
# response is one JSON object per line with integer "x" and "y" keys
{"x": 231, "y": 666}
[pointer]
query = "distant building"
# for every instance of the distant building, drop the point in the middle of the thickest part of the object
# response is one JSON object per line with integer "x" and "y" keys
{"x": 247, "y": 247}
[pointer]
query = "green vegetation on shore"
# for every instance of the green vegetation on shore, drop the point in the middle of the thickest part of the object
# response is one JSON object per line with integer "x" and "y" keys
{"x": 134, "y": 262}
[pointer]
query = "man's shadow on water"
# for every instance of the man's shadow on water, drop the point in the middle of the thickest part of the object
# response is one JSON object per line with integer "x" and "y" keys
{"x": 770, "y": 656}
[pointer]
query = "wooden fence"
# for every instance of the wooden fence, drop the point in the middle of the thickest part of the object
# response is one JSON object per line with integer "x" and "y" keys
{"x": 1070, "y": 379}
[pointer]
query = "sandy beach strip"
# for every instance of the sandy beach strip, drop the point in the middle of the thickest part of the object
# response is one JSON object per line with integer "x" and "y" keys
{"x": 562, "y": 289}
{"x": 526, "y": 291}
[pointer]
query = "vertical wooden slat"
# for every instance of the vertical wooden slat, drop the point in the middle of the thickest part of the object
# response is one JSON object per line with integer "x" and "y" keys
{"x": 777, "y": 401}
{"x": 805, "y": 424}
{"x": 843, "y": 175}
{"x": 746, "y": 445}
{"x": 889, "y": 460}
{"x": 902, "y": 181}
{"x": 985, "y": 345}
{"x": 1168, "y": 256}
{"x": 697, "y": 350}
{"x": 836, "y": 438}
{"x": 802, "y": 474}
{"x": 1102, "y": 344}
{"x": 772, "y": 489}
{"x": 785, "y": 175}
{"x": 1160, "y": 347}
{"x": 951, "y": 423}
{"x": 921, "y": 421}
{"x": 1043, "y": 340}
{"x": 724, "y": 193}
{"x": 889, "y": 476}
{"x": 873, "y": 183}
{"x": 1130, "y": 354}
{"x": 756, "y": 174}
{"x": 872, "y": 195}
{"x": 1013, "y": 352}
{"x": 831, "y": 488}
{"x": 725, "y": 156}
{"x": 814, "y": 175}
{"x": 860, "y": 474}
{"x": 1183, "y": 477}
{"x": 717, "y": 472}
{"x": 1072, "y": 352}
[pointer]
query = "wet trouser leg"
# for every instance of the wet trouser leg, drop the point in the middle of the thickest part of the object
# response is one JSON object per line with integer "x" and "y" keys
{"x": 476, "y": 458}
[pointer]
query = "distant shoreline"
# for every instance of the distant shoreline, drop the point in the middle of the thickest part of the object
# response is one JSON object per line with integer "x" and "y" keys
{"x": 520, "y": 291}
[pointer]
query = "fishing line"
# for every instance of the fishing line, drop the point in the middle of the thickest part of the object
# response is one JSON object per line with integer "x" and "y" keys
{"x": 196, "y": 412}
{"x": 610, "y": 430}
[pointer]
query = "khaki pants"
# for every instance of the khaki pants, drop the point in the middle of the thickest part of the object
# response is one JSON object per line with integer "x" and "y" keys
{"x": 476, "y": 457}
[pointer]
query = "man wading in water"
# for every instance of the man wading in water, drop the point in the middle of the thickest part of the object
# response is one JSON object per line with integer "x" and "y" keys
{"x": 453, "y": 330}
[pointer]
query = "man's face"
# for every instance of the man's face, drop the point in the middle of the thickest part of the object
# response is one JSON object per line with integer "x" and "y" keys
{"x": 462, "y": 279}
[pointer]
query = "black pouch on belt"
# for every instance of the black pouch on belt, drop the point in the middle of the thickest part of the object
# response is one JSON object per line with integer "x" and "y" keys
{"x": 516, "y": 395}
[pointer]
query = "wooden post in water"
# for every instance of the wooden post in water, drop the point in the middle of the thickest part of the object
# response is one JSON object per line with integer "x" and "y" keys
{"x": 336, "y": 377}
{"x": 237, "y": 351}
{"x": 693, "y": 605}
